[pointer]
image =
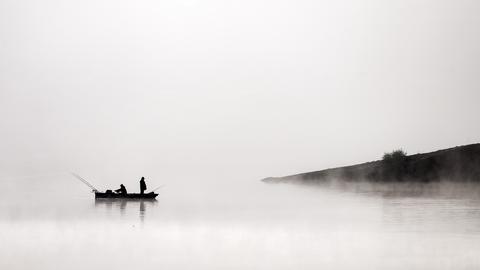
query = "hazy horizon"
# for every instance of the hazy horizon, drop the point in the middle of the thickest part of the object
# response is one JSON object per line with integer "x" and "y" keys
{"x": 208, "y": 98}
{"x": 231, "y": 91}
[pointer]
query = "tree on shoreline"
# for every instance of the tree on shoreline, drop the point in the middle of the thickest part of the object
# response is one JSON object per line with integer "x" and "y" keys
{"x": 395, "y": 165}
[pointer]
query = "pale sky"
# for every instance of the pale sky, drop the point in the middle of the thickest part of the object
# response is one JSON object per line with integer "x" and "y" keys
{"x": 192, "y": 90}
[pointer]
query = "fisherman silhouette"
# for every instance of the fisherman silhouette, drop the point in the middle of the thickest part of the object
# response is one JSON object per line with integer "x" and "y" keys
{"x": 121, "y": 190}
{"x": 143, "y": 186}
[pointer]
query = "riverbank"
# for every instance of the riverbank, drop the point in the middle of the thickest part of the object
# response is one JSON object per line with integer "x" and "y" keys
{"x": 460, "y": 163}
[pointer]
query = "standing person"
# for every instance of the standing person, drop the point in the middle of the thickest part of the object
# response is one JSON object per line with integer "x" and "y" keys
{"x": 143, "y": 186}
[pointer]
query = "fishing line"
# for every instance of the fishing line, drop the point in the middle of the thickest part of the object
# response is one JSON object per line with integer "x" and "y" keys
{"x": 94, "y": 189}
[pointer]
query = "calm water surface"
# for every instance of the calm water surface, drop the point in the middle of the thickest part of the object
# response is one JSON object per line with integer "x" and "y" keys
{"x": 254, "y": 226}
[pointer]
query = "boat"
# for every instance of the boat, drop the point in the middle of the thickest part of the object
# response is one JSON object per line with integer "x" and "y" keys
{"x": 129, "y": 196}
{"x": 109, "y": 194}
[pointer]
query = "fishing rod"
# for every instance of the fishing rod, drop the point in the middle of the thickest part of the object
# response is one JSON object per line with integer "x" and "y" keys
{"x": 94, "y": 189}
{"x": 157, "y": 188}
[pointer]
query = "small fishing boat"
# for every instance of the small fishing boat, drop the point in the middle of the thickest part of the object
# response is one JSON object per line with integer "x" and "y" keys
{"x": 130, "y": 196}
{"x": 109, "y": 194}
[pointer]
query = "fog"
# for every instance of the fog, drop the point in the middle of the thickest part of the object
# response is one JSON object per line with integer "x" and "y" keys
{"x": 358, "y": 226}
{"x": 187, "y": 91}
{"x": 207, "y": 98}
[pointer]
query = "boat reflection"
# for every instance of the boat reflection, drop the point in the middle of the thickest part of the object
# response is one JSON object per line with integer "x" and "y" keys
{"x": 125, "y": 205}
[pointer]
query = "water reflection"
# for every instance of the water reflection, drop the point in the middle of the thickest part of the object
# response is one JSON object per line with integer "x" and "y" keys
{"x": 122, "y": 206}
{"x": 447, "y": 207}
{"x": 444, "y": 189}
{"x": 355, "y": 226}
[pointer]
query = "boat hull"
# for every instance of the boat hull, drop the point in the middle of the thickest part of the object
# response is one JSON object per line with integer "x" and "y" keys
{"x": 129, "y": 196}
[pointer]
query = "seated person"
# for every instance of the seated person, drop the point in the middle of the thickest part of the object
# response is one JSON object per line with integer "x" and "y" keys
{"x": 121, "y": 190}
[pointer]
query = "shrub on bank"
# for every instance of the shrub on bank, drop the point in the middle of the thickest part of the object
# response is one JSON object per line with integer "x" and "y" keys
{"x": 395, "y": 165}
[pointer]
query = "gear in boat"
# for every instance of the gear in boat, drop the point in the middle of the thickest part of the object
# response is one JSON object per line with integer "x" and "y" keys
{"x": 112, "y": 195}
{"x": 121, "y": 193}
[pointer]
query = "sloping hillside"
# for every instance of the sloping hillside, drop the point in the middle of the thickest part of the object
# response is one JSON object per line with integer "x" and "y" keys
{"x": 457, "y": 164}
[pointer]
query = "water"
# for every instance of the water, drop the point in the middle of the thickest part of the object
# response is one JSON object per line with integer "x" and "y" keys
{"x": 245, "y": 226}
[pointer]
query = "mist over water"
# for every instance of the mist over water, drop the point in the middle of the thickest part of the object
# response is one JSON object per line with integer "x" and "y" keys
{"x": 207, "y": 97}
{"x": 245, "y": 226}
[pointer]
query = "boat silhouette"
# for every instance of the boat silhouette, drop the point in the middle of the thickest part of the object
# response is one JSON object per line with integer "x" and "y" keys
{"x": 132, "y": 196}
{"x": 109, "y": 194}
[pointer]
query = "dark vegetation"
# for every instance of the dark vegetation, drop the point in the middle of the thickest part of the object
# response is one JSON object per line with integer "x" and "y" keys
{"x": 455, "y": 164}
{"x": 395, "y": 165}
